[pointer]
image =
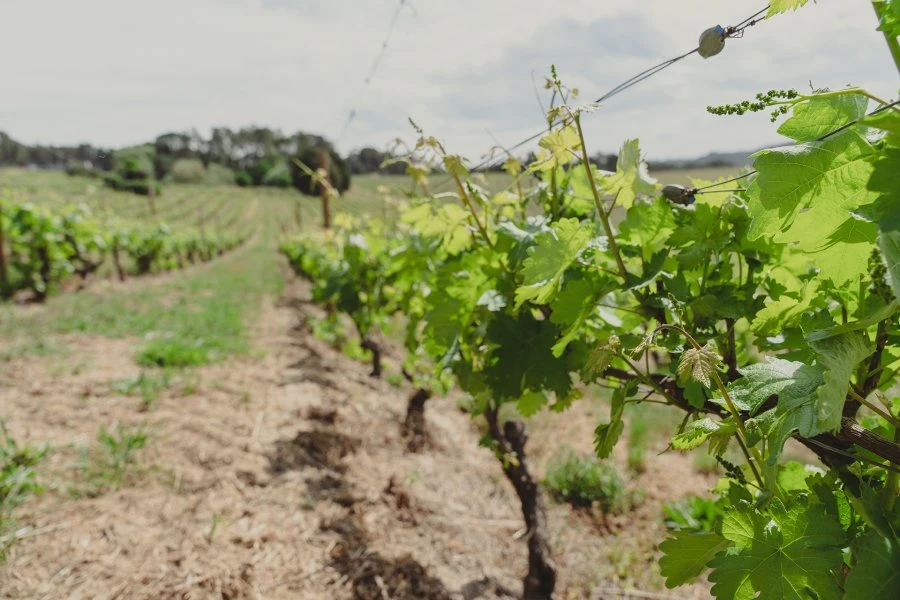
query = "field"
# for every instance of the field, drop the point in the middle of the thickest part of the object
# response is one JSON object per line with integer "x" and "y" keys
{"x": 202, "y": 441}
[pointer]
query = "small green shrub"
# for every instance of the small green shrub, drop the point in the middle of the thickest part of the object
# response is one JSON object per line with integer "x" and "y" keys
{"x": 243, "y": 178}
{"x": 167, "y": 352}
{"x": 693, "y": 513}
{"x": 278, "y": 176}
{"x": 582, "y": 481}
{"x": 188, "y": 170}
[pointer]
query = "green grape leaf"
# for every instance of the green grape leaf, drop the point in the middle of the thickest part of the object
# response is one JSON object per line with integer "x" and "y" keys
{"x": 839, "y": 356}
{"x": 793, "y": 382}
{"x": 522, "y": 359}
{"x": 631, "y": 178}
{"x": 781, "y": 6}
{"x": 886, "y": 120}
{"x": 889, "y": 242}
{"x": 777, "y": 315}
{"x": 883, "y": 182}
{"x": 792, "y": 476}
{"x": 449, "y": 222}
{"x": 699, "y": 431}
{"x": 648, "y": 226}
{"x": 890, "y": 17}
{"x": 530, "y": 403}
{"x": 818, "y": 116}
{"x": 686, "y": 555}
{"x": 788, "y": 554}
{"x": 548, "y": 259}
{"x": 558, "y": 148}
{"x": 606, "y": 435}
{"x": 574, "y": 305}
{"x": 879, "y": 315}
{"x": 829, "y": 179}
{"x": 877, "y": 571}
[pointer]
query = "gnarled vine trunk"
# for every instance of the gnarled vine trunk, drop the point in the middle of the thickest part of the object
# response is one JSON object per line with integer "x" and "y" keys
{"x": 414, "y": 423}
{"x": 372, "y": 346}
{"x": 540, "y": 580}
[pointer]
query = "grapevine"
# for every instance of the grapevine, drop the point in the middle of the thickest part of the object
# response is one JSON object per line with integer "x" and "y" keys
{"x": 773, "y": 310}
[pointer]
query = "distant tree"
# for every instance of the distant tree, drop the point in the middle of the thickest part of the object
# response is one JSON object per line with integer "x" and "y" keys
{"x": 320, "y": 157}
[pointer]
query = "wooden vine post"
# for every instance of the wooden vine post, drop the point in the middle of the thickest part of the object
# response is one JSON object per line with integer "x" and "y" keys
{"x": 325, "y": 187}
{"x": 3, "y": 276}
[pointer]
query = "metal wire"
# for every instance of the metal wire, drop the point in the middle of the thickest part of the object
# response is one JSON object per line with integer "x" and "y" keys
{"x": 733, "y": 31}
{"x": 818, "y": 139}
{"x": 373, "y": 69}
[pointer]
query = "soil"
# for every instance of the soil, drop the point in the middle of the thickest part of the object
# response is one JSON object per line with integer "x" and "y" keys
{"x": 286, "y": 474}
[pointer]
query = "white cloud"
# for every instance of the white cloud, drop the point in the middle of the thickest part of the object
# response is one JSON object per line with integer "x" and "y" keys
{"x": 116, "y": 72}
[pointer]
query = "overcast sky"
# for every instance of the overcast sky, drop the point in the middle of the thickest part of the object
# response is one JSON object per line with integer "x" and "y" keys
{"x": 119, "y": 72}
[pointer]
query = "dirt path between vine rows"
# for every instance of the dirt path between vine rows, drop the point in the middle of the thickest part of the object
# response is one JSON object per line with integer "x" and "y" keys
{"x": 286, "y": 476}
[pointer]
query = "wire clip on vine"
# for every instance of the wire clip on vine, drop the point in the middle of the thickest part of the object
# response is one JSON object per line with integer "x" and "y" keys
{"x": 711, "y": 41}
{"x": 679, "y": 194}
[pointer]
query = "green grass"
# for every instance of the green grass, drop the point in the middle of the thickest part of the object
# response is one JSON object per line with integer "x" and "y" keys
{"x": 192, "y": 320}
{"x": 111, "y": 463}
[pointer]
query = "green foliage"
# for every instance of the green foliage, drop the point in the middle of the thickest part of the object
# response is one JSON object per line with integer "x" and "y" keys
{"x": 47, "y": 246}
{"x": 278, "y": 176}
{"x": 18, "y": 482}
{"x": 787, "y": 553}
{"x": 243, "y": 178}
{"x": 583, "y": 481}
{"x": 780, "y": 6}
{"x": 177, "y": 353}
{"x": 695, "y": 513}
{"x": 770, "y": 310}
{"x": 113, "y": 461}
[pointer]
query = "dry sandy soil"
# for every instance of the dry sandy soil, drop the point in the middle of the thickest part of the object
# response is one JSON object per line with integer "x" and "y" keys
{"x": 284, "y": 474}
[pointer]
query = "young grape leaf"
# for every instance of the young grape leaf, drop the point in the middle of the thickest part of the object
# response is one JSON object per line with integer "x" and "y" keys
{"x": 686, "y": 555}
{"x": 548, "y": 259}
{"x": 781, "y": 6}
{"x": 699, "y": 431}
{"x": 701, "y": 363}
{"x": 558, "y": 148}
{"x": 607, "y": 434}
{"x": 877, "y": 571}
{"x": 631, "y": 178}
{"x": 818, "y": 116}
{"x": 839, "y": 356}
{"x": 791, "y": 553}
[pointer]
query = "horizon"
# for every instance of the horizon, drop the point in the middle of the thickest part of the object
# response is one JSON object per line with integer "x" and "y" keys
{"x": 189, "y": 73}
